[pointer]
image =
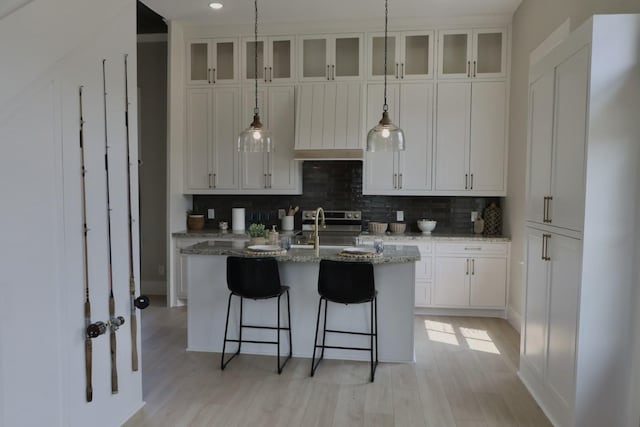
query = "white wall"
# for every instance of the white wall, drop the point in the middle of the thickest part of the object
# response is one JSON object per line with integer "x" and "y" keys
{"x": 49, "y": 49}
{"x": 152, "y": 85}
{"x": 532, "y": 23}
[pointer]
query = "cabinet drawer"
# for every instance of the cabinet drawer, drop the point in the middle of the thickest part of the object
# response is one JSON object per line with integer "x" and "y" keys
{"x": 423, "y": 294}
{"x": 472, "y": 248}
{"x": 424, "y": 268}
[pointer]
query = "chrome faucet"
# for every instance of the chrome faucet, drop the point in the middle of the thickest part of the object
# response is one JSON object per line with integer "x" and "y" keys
{"x": 316, "y": 237}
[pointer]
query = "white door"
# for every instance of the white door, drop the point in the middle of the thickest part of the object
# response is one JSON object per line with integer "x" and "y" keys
{"x": 198, "y": 156}
{"x": 381, "y": 168}
{"x": 416, "y": 120}
{"x": 281, "y": 109}
{"x": 451, "y": 287}
{"x": 540, "y": 145}
{"x": 568, "y": 179}
{"x": 254, "y": 167}
{"x": 488, "y": 282}
{"x": 564, "y": 293}
{"x": 488, "y": 141}
{"x": 225, "y": 127}
{"x": 452, "y": 136}
{"x": 535, "y": 306}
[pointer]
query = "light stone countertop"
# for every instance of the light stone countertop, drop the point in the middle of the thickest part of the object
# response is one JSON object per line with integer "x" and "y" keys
{"x": 214, "y": 233}
{"x": 392, "y": 254}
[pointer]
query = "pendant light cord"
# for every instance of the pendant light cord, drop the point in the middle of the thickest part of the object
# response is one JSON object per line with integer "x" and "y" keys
{"x": 255, "y": 57}
{"x": 385, "y": 107}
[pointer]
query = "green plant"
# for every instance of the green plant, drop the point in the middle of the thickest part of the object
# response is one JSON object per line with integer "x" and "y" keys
{"x": 257, "y": 230}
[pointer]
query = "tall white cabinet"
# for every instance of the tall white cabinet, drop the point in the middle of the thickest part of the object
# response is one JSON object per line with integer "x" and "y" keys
{"x": 583, "y": 192}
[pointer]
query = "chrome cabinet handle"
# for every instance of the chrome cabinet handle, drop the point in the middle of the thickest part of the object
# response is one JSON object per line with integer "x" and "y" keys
{"x": 473, "y": 266}
{"x": 270, "y": 74}
{"x": 213, "y": 74}
{"x": 265, "y": 75}
{"x": 395, "y": 180}
{"x": 549, "y": 199}
{"x": 471, "y": 186}
{"x": 270, "y": 181}
{"x": 466, "y": 181}
{"x": 402, "y": 73}
{"x": 333, "y": 72}
{"x": 397, "y": 70}
{"x": 467, "y": 271}
{"x": 209, "y": 75}
{"x": 544, "y": 209}
{"x": 545, "y": 247}
{"x": 469, "y": 248}
{"x": 209, "y": 181}
{"x": 328, "y": 72}
{"x": 215, "y": 178}
{"x": 399, "y": 180}
{"x": 474, "y": 68}
{"x": 468, "y": 68}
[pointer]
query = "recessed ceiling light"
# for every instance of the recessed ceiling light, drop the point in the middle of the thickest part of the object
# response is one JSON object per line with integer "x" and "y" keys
{"x": 215, "y": 5}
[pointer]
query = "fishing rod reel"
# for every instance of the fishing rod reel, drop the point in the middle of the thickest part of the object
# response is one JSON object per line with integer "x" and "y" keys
{"x": 141, "y": 302}
{"x": 96, "y": 329}
{"x": 115, "y": 323}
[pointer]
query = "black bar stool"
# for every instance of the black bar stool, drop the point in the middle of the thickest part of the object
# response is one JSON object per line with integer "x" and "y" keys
{"x": 345, "y": 282}
{"x": 255, "y": 278}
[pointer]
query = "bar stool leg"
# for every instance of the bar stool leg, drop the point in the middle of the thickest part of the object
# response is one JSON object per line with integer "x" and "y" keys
{"x": 373, "y": 369}
{"x": 278, "y": 332}
{"x": 241, "y": 325}
{"x": 226, "y": 327}
{"x": 289, "y": 323}
{"x": 324, "y": 331}
{"x": 375, "y": 306}
{"x": 315, "y": 341}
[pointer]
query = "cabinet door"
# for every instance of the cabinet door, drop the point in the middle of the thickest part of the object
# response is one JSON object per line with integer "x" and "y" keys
{"x": 451, "y": 287}
{"x": 534, "y": 342}
{"x": 198, "y": 62}
{"x": 454, "y": 53}
{"x": 568, "y": 173}
{"x": 488, "y": 141}
{"x": 347, "y": 57}
{"x": 280, "y": 59}
{"x": 225, "y": 56}
{"x": 250, "y": 67}
{"x": 452, "y": 136}
{"x": 283, "y": 169}
{"x": 198, "y": 155}
{"x": 416, "y": 55}
{"x": 564, "y": 295}
{"x": 376, "y": 56}
{"x": 540, "y": 143}
{"x": 314, "y": 58}
{"x": 488, "y": 286}
{"x": 489, "y": 53}
{"x": 423, "y": 294}
{"x": 416, "y": 120}
{"x": 254, "y": 167}
{"x": 225, "y": 125}
{"x": 381, "y": 168}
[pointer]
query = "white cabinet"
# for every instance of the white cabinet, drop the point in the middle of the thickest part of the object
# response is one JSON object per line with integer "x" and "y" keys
{"x": 330, "y": 57}
{"x": 179, "y": 289}
{"x": 470, "y": 146}
{"x": 276, "y": 62}
{"x": 329, "y": 117}
{"x": 406, "y": 172}
{"x": 212, "y": 61}
{"x": 212, "y": 131}
{"x": 583, "y": 191}
{"x": 551, "y": 310}
{"x": 471, "y": 54}
{"x": 557, "y": 108}
{"x": 275, "y": 172}
{"x": 409, "y": 55}
{"x": 470, "y": 275}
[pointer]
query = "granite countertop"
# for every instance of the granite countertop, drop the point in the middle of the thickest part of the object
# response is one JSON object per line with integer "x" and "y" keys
{"x": 392, "y": 254}
{"x": 214, "y": 233}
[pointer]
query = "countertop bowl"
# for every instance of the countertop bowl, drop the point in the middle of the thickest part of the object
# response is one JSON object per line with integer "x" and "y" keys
{"x": 397, "y": 227}
{"x": 426, "y": 225}
{"x": 377, "y": 227}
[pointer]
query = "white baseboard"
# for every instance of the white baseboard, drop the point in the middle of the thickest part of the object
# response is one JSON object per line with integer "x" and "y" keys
{"x": 515, "y": 319}
{"x": 468, "y": 312}
{"x": 153, "y": 287}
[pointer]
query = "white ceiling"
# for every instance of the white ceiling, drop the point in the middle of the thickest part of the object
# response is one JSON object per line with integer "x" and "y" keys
{"x": 297, "y": 11}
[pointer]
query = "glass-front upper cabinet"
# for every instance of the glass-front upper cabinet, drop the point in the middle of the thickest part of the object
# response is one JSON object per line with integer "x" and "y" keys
{"x": 409, "y": 55}
{"x": 330, "y": 57}
{"x": 212, "y": 61}
{"x": 470, "y": 54}
{"x": 275, "y": 59}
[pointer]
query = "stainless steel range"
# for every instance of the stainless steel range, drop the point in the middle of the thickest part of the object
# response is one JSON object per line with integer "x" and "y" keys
{"x": 341, "y": 227}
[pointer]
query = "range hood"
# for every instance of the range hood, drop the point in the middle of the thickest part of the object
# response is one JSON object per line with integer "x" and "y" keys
{"x": 329, "y": 154}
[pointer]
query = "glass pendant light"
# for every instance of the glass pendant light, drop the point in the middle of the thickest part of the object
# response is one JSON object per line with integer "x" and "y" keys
{"x": 385, "y": 136}
{"x": 256, "y": 138}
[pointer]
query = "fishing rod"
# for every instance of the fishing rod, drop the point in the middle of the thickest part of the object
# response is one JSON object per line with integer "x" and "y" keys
{"x": 142, "y": 301}
{"x": 114, "y": 322}
{"x": 92, "y": 330}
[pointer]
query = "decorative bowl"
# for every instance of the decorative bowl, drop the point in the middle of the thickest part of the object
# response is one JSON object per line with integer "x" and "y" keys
{"x": 397, "y": 227}
{"x": 377, "y": 227}
{"x": 426, "y": 225}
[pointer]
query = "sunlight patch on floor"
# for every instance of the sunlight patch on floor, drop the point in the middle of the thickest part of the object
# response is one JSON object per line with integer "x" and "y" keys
{"x": 441, "y": 332}
{"x": 476, "y": 339}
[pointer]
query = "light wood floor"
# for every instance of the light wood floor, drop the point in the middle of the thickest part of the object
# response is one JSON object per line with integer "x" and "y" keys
{"x": 464, "y": 375}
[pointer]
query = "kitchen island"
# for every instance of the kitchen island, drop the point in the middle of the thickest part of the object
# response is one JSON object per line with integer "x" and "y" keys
{"x": 394, "y": 272}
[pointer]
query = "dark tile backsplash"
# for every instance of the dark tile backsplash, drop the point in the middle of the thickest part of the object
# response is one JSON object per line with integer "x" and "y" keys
{"x": 338, "y": 185}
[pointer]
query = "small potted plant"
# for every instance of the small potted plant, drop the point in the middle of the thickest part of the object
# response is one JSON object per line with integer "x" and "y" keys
{"x": 195, "y": 220}
{"x": 258, "y": 234}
